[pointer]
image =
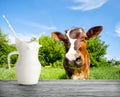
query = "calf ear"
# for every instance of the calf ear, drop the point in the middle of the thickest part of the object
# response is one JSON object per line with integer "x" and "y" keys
{"x": 94, "y": 31}
{"x": 58, "y": 36}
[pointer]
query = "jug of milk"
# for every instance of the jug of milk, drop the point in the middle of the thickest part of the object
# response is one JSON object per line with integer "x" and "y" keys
{"x": 27, "y": 66}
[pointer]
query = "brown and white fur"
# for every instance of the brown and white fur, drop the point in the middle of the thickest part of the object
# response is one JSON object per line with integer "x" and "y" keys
{"x": 77, "y": 59}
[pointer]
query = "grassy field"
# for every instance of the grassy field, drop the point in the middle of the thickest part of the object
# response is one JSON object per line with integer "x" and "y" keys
{"x": 105, "y": 73}
{"x": 96, "y": 73}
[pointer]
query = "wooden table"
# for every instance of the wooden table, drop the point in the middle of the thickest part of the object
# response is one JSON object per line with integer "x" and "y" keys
{"x": 61, "y": 88}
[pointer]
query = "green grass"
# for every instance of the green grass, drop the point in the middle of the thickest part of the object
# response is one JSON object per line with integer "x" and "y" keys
{"x": 46, "y": 74}
{"x": 105, "y": 73}
{"x": 96, "y": 73}
{"x": 52, "y": 73}
{"x": 6, "y": 74}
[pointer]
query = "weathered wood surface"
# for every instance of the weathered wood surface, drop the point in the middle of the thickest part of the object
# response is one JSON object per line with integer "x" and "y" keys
{"x": 61, "y": 88}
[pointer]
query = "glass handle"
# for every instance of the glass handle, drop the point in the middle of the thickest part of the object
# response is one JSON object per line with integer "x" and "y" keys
{"x": 9, "y": 56}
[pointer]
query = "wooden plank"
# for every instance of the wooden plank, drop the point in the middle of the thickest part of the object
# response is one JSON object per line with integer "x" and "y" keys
{"x": 61, "y": 88}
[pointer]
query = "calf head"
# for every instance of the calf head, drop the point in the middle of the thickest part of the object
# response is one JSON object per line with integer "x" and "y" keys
{"x": 77, "y": 60}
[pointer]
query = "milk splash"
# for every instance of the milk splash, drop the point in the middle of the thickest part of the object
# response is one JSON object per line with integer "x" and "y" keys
{"x": 27, "y": 66}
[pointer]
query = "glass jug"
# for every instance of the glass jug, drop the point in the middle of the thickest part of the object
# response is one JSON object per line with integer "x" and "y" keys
{"x": 27, "y": 66}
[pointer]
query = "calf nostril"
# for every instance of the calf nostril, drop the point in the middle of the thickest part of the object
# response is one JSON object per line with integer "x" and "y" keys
{"x": 78, "y": 58}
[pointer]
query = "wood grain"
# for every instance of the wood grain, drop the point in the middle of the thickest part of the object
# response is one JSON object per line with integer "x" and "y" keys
{"x": 61, "y": 88}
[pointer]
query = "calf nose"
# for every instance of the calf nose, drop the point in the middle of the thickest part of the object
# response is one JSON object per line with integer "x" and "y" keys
{"x": 73, "y": 57}
{"x": 78, "y": 58}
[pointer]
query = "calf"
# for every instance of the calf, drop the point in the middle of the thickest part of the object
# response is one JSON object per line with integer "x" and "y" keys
{"x": 77, "y": 59}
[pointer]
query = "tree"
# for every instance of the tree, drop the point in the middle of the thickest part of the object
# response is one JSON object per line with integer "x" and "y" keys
{"x": 97, "y": 49}
{"x": 51, "y": 52}
{"x": 114, "y": 62}
{"x": 5, "y": 49}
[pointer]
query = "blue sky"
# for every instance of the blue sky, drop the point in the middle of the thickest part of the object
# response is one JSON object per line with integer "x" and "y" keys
{"x": 31, "y": 17}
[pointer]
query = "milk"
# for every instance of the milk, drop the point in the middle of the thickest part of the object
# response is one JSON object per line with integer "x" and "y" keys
{"x": 27, "y": 66}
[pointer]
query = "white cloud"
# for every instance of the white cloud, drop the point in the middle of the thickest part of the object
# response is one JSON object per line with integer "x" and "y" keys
{"x": 43, "y": 26}
{"x": 11, "y": 39}
{"x": 117, "y": 30}
{"x": 27, "y": 36}
{"x": 40, "y": 26}
{"x": 85, "y": 5}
